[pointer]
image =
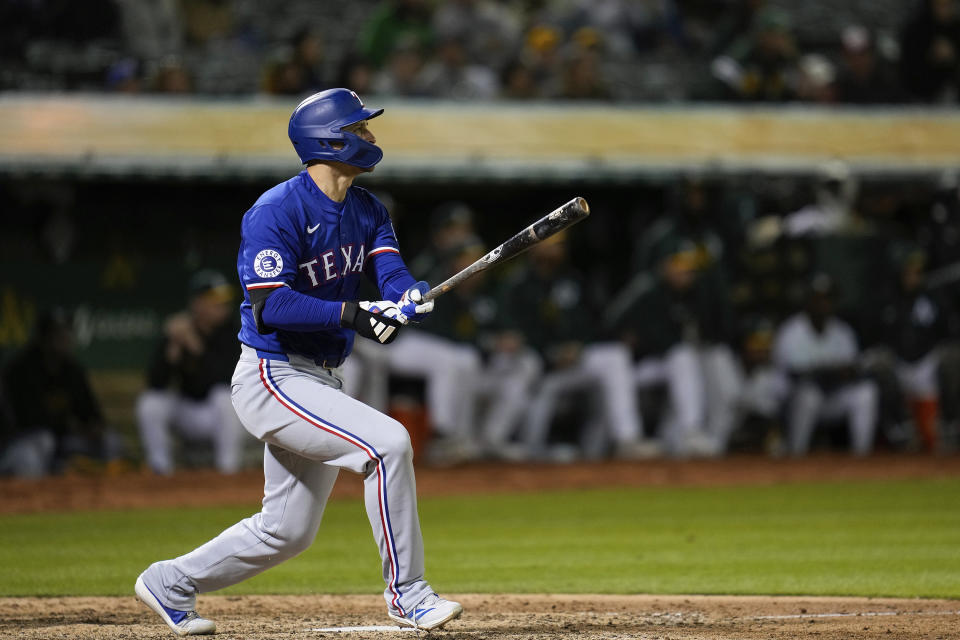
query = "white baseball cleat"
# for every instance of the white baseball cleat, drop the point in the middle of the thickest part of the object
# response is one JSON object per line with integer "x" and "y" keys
{"x": 183, "y": 623}
{"x": 432, "y": 613}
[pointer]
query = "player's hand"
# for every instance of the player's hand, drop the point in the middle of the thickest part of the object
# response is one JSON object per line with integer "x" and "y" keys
{"x": 412, "y": 304}
{"x": 380, "y": 321}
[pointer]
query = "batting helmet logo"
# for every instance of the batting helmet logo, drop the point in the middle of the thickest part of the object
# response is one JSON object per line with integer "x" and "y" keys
{"x": 316, "y": 129}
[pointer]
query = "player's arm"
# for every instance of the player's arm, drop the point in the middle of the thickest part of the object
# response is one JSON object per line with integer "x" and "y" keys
{"x": 386, "y": 268}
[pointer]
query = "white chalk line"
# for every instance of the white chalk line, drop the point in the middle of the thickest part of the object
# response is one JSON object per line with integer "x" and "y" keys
{"x": 385, "y": 627}
{"x": 864, "y": 614}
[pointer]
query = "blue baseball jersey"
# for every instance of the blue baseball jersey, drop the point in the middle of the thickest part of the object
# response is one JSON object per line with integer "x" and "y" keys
{"x": 295, "y": 236}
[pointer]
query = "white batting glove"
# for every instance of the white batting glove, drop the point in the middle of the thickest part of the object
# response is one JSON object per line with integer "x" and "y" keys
{"x": 386, "y": 308}
{"x": 412, "y": 305}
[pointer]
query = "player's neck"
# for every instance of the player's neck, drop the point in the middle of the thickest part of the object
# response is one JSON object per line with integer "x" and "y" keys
{"x": 333, "y": 179}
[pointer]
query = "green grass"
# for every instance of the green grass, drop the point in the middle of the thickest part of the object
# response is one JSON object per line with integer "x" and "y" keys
{"x": 865, "y": 538}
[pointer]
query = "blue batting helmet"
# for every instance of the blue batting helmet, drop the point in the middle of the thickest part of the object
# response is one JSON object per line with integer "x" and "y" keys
{"x": 318, "y": 121}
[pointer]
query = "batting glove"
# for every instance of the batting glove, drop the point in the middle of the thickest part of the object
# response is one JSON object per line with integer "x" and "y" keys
{"x": 380, "y": 321}
{"x": 412, "y": 304}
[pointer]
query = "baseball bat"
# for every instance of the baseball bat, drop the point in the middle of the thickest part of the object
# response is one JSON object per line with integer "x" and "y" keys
{"x": 557, "y": 220}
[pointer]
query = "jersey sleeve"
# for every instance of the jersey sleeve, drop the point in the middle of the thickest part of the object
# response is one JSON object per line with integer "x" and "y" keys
{"x": 270, "y": 247}
{"x": 384, "y": 264}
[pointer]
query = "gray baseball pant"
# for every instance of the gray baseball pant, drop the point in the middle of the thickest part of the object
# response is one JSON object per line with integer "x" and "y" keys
{"x": 311, "y": 430}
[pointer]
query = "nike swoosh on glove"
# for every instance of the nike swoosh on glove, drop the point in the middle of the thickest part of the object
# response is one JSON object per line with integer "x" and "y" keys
{"x": 412, "y": 305}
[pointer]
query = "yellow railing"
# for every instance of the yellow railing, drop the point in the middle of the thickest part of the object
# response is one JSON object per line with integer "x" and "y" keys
{"x": 159, "y": 134}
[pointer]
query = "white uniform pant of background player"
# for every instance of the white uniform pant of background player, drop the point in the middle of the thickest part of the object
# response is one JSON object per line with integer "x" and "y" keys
{"x": 311, "y": 430}
{"x": 162, "y": 413}
{"x": 856, "y": 402}
{"x": 703, "y": 384}
{"x": 29, "y": 455}
{"x": 919, "y": 378}
{"x": 456, "y": 383}
{"x": 449, "y": 369}
{"x": 604, "y": 371}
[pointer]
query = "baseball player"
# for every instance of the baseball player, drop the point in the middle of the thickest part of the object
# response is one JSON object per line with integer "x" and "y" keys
{"x": 304, "y": 246}
{"x": 819, "y": 352}
{"x": 188, "y": 391}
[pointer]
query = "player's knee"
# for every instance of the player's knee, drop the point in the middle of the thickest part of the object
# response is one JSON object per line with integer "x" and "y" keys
{"x": 394, "y": 440}
{"x": 293, "y": 537}
{"x": 298, "y": 542}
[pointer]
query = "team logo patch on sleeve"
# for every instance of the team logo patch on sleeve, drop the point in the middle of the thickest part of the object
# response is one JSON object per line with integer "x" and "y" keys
{"x": 268, "y": 264}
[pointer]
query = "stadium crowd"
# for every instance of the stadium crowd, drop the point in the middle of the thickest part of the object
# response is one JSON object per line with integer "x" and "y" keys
{"x": 864, "y": 51}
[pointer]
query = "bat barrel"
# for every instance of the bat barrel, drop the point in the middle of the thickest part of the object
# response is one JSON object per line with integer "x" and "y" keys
{"x": 555, "y": 221}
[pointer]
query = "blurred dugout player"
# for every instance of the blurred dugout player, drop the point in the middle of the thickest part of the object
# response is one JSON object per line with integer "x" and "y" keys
{"x": 677, "y": 319}
{"x": 546, "y": 305}
{"x": 451, "y": 225}
{"x": 508, "y": 369}
{"x": 819, "y": 351}
{"x": 915, "y": 324}
{"x": 56, "y": 418}
{"x": 188, "y": 380}
{"x": 366, "y": 375}
{"x": 462, "y": 364}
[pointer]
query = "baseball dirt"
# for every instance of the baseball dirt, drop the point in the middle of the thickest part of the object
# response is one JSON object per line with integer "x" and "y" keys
{"x": 503, "y": 617}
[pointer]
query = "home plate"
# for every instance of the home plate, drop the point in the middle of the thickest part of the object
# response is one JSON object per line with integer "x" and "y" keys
{"x": 384, "y": 627}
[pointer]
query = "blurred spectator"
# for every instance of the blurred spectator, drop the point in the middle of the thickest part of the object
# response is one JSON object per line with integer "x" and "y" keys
{"x": 865, "y": 77}
{"x": 356, "y": 72}
{"x": 734, "y": 22}
{"x": 207, "y": 20}
{"x": 489, "y": 31}
{"x": 628, "y": 26}
{"x": 582, "y": 72}
{"x": 678, "y": 320}
{"x": 819, "y": 352}
{"x": 124, "y": 76}
{"x": 451, "y": 75}
{"x": 762, "y": 68}
{"x": 297, "y": 71}
{"x": 173, "y": 78}
{"x": 815, "y": 79}
{"x": 541, "y": 55}
{"x": 393, "y": 22}
{"x": 399, "y": 76}
{"x": 57, "y": 45}
{"x": 188, "y": 380}
{"x": 57, "y": 419}
{"x": 930, "y": 52}
{"x": 152, "y": 29}
{"x": 517, "y": 82}
{"x": 547, "y": 305}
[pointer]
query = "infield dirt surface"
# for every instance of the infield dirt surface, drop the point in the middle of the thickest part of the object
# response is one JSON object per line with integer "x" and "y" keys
{"x": 493, "y": 617}
{"x": 512, "y": 617}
